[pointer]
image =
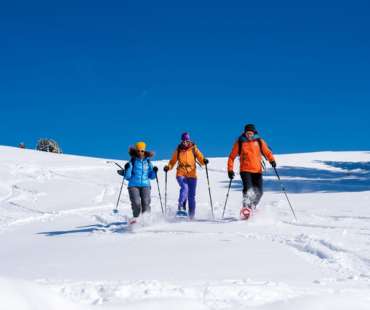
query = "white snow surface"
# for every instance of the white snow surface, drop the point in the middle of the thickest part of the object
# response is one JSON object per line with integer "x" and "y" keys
{"x": 61, "y": 247}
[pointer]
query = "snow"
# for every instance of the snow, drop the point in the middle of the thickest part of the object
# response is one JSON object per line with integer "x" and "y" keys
{"x": 61, "y": 246}
{"x": 21, "y": 295}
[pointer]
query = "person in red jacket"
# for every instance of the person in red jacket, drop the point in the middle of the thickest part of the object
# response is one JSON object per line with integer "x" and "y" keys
{"x": 250, "y": 148}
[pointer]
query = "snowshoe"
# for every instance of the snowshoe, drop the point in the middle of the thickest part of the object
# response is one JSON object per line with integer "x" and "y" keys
{"x": 246, "y": 213}
{"x": 181, "y": 213}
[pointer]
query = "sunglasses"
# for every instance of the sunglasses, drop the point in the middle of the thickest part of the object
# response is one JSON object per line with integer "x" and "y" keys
{"x": 140, "y": 151}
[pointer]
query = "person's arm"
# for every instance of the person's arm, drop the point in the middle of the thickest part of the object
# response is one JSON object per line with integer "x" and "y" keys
{"x": 199, "y": 155}
{"x": 128, "y": 171}
{"x": 232, "y": 156}
{"x": 173, "y": 160}
{"x": 151, "y": 173}
{"x": 266, "y": 151}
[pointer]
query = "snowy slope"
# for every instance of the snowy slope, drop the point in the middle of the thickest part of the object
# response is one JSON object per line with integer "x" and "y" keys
{"x": 58, "y": 235}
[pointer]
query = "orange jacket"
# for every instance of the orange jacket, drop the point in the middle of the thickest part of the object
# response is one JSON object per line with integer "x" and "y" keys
{"x": 187, "y": 166}
{"x": 250, "y": 155}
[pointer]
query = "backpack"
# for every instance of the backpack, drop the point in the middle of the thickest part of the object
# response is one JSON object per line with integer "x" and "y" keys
{"x": 240, "y": 144}
{"x": 193, "y": 151}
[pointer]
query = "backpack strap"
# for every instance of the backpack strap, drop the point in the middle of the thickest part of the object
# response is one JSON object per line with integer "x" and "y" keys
{"x": 194, "y": 154}
{"x": 260, "y": 144}
{"x": 178, "y": 151}
{"x": 133, "y": 160}
{"x": 240, "y": 144}
{"x": 263, "y": 155}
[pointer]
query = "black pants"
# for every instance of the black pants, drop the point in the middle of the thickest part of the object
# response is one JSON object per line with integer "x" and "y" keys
{"x": 252, "y": 181}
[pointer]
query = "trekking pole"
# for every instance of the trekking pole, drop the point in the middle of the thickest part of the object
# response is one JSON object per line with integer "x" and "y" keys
{"x": 119, "y": 197}
{"x": 165, "y": 194}
{"x": 113, "y": 162}
{"x": 227, "y": 197}
{"x": 209, "y": 190}
{"x": 115, "y": 210}
{"x": 284, "y": 191}
{"x": 159, "y": 193}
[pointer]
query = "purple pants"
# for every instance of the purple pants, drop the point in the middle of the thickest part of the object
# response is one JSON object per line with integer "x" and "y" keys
{"x": 187, "y": 192}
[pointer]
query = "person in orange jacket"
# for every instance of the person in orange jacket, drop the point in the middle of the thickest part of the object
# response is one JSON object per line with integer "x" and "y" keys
{"x": 250, "y": 148}
{"x": 187, "y": 155}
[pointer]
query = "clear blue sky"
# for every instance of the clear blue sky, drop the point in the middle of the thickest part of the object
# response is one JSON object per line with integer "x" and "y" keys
{"x": 99, "y": 75}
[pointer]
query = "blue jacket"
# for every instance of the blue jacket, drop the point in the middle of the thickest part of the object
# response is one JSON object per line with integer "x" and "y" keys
{"x": 139, "y": 174}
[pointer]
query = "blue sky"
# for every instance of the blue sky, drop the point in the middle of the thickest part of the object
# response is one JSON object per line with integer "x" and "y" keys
{"x": 99, "y": 75}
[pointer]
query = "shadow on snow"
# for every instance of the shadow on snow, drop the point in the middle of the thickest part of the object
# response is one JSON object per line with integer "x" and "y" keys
{"x": 352, "y": 177}
{"x": 115, "y": 227}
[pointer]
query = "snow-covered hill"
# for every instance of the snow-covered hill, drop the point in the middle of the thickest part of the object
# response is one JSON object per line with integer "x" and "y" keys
{"x": 58, "y": 236}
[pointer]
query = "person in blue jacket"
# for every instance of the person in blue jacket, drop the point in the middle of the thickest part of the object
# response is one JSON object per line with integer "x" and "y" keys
{"x": 138, "y": 172}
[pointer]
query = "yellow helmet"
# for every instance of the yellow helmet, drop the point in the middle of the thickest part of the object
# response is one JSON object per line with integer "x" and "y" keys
{"x": 140, "y": 146}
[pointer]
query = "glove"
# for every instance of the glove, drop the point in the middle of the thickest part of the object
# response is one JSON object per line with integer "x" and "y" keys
{"x": 121, "y": 172}
{"x": 206, "y": 161}
{"x": 166, "y": 168}
{"x": 155, "y": 169}
{"x": 127, "y": 166}
{"x": 231, "y": 174}
{"x": 273, "y": 163}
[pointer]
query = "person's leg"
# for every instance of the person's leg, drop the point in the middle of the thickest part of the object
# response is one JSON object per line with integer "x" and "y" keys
{"x": 145, "y": 199}
{"x": 247, "y": 186}
{"x": 192, "y": 184}
{"x": 134, "y": 193}
{"x": 184, "y": 189}
{"x": 247, "y": 181}
{"x": 257, "y": 181}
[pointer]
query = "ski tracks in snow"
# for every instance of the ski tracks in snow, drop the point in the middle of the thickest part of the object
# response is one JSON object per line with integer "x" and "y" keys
{"x": 227, "y": 294}
{"x": 26, "y": 184}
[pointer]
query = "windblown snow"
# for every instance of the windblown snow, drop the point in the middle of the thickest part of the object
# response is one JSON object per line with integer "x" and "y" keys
{"x": 61, "y": 247}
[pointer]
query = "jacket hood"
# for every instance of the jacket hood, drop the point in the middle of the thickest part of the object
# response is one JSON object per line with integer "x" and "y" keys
{"x": 243, "y": 137}
{"x": 183, "y": 147}
{"x": 132, "y": 152}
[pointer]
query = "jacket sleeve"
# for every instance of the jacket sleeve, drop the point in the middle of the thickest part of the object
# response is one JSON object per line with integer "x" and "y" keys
{"x": 232, "y": 156}
{"x": 266, "y": 151}
{"x": 173, "y": 160}
{"x": 199, "y": 155}
{"x": 151, "y": 173}
{"x": 128, "y": 172}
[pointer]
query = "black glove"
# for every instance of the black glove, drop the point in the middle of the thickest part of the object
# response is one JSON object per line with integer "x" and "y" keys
{"x": 206, "y": 161}
{"x": 166, "y": 168}
{"x": 127, "y": 166}
{"x": 231, "y": 174}
{"x": 155, "y": 169}
{"x": 273, "y": 163}
{"x": 121, "y": 172}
